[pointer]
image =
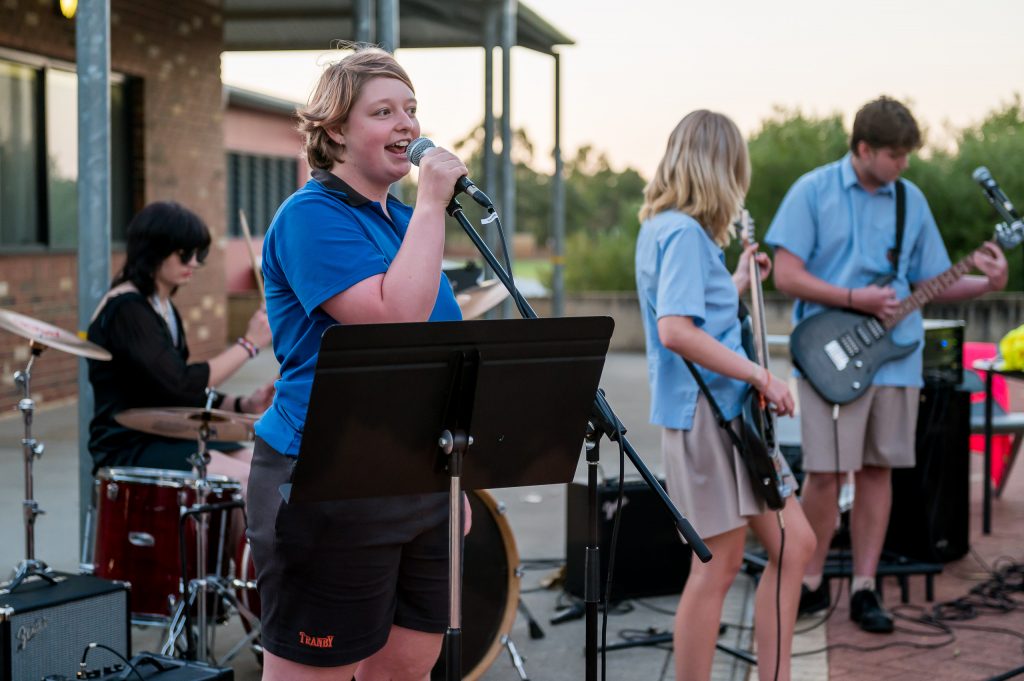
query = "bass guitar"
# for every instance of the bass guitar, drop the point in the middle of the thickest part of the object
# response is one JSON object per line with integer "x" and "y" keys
{"x": 839, "y": 351}
{"x": 761, "y": 454}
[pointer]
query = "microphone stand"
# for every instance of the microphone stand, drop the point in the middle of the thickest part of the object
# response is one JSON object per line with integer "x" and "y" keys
{"x": 603, "y": 421}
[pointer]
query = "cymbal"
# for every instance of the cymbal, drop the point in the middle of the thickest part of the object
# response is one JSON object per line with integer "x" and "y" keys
{"x": 479, "y": 299}
{"x": 184, "y": 423}
{"x": 50, "y": 336}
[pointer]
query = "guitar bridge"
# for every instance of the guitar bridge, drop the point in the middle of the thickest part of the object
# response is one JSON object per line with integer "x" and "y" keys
{"x": 837, "y": 355}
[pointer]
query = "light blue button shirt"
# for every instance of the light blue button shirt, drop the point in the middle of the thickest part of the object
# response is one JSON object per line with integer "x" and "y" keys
{"x": 844, "y": 233}
{"x": 680, "y": 271}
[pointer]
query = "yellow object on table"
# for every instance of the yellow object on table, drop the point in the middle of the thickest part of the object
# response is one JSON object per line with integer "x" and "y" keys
{"x": 1011, "y": 348}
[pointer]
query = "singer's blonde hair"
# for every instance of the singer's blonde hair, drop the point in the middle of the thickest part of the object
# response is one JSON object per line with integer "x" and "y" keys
{"x": 339, "y": 87}
{"x": 704, "y": 173}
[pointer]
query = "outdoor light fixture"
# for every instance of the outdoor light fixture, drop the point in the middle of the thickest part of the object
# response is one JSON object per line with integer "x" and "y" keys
{"x": 67, "y": 8}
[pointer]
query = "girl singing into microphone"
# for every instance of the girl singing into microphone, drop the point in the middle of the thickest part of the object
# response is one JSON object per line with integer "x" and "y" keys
{"x": 356, "y": 587}
{"x": 689, "y": 303}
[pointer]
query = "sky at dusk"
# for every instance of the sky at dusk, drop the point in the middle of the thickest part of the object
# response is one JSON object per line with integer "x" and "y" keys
{"x": 638, "y": 67}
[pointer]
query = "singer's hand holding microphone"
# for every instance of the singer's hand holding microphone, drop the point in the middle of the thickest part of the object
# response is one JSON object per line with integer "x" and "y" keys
{"x": 421, "y": 152}
{"x": 440, "y": 169}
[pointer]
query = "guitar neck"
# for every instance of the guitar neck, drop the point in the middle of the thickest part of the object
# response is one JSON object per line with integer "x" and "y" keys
{"x": 757, "y": 315}
{"x": 927, "y": 291}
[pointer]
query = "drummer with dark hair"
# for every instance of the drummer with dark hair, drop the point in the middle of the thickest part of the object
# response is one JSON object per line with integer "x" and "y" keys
{"x": 140, "y": 326}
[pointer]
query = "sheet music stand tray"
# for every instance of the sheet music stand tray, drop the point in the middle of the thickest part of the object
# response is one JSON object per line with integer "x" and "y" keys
{"x": 445, "y": 406}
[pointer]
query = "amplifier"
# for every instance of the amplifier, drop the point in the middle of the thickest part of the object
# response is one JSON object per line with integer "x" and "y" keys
{"x": 943, "y": 352}
{"x": 930, "y": 514}
{"x": 161, "y": 668}
{"x": 45, "y": 628}
{"x": 651, "y": 559}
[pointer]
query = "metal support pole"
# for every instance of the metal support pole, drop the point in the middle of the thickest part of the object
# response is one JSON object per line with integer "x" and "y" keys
{"x": 362, "y": 20}
{"x": 92, "y": 44}
{"x": 558, "y": 204}
{"x": 387, "y": 24}
{"x": 508, "y": 174}
{"x": 492, "y": 18}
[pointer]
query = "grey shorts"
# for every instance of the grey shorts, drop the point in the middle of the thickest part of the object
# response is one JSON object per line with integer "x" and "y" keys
{"x": 876, "y": 429}
{"x": 333, "y": 577}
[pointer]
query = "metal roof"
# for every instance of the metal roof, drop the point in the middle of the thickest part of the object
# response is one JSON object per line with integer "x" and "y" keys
{"x": 248, "y": 99}
{"x": 258, "y": 25}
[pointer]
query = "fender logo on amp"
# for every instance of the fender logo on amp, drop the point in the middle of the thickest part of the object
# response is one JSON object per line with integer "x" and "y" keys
{"x": 27, "y": 632}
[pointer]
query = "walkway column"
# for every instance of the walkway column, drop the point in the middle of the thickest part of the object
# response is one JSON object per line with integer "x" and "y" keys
{"x": 92, "y": 46}
{"x": 508, "y": 174}
{"x": 558, "y": 204}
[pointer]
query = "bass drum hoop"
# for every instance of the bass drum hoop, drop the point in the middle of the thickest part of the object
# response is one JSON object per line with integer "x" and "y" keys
{"x": 497, "y": 513}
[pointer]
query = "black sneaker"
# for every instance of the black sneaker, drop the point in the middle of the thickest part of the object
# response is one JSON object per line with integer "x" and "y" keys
{"x": 867, "y": 611}
{"x": 814, "y": 601}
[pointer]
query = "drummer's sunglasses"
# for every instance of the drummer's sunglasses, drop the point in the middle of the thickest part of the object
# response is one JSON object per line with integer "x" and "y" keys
{"x": 200, "y": 254}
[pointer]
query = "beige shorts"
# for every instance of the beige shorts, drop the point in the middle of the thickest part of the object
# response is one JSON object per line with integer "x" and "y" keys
{"x": 877, "y": 429}
{"x": 705, "y": 477}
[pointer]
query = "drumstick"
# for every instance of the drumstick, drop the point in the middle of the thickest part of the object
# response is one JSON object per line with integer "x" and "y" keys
{"x": 252, "y": 256}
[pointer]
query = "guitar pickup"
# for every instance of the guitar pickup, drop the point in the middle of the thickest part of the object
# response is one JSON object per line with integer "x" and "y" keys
{"x": 864, "y": 335}
{"x": 835, "y": 353}
{"x": 849, "y": 344}
{"x": 876, "y": 328}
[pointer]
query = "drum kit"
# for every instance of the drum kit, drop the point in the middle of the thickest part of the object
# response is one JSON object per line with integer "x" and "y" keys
{"x": 168, "y": 532}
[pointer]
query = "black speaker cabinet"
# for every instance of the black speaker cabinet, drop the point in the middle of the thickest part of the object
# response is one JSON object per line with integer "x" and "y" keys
{"x": 930, "y": 502}
{"x": 44, "y": 628}
{"x": 651, "y": 559}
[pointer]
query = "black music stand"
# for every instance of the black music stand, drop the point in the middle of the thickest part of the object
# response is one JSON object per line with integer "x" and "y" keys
{"x": 428, "y": 407}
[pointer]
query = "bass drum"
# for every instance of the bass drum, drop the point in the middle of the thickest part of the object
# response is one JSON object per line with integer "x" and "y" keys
{"x": 490, "y": 586}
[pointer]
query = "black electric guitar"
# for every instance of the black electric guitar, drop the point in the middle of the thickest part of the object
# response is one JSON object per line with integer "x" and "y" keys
{"x": 840, "y": 351}
{"x": 763, "y": 463}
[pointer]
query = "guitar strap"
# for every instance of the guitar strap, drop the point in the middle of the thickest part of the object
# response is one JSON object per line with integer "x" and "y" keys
{"x": 719, "y": 416}
{"x": 901, "y": 216}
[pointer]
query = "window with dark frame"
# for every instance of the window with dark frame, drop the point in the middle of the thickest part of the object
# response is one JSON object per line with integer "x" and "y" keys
{"x": 258, "y": 185}
{"x": 39, "y": 156}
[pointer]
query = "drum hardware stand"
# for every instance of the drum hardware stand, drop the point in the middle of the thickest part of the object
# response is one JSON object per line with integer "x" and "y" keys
{"x": 603, "y": 422}
{"x": 200, "y": 643}
{"x": 33, "y": 449}
{"x": 516, "y": 658}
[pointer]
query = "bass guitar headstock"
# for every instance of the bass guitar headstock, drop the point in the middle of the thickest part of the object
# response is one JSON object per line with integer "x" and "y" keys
{"x": 745, "y": 224}
{"x": 1010, "y": 236}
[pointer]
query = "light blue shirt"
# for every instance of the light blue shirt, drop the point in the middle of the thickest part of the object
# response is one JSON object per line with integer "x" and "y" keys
{"x": 680, "y": 271}
{"x": 843, "y": 234}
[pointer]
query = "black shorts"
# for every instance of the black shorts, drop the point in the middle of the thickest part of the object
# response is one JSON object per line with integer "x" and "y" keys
{"x": 333, "y": 577}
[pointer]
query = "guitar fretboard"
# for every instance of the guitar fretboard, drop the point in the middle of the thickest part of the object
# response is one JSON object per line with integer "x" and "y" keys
{"x": 927, "y": 291}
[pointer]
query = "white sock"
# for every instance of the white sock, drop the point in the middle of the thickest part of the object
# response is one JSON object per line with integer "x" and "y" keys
{"x": 861, "y": 582}
{"x": 813, "y": 581}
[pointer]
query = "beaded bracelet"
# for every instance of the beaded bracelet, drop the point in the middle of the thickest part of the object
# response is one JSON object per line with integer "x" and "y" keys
{"x": 249, "y": 346}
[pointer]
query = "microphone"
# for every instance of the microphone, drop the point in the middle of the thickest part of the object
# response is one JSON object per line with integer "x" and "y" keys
{"x": 422, "y": 145}
{"x": 996, "y": 196}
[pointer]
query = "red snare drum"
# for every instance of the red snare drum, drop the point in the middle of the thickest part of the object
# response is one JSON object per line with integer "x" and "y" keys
{"x": 137, "y": 512}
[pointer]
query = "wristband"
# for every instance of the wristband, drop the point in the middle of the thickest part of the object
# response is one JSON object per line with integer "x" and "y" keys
{"x": 249, "y": 346}
{"x": 238, "y": 404}
{"x": 849, "y": 297}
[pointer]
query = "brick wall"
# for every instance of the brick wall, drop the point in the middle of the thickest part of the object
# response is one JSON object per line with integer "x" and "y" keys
{"x": 173, "y": 48}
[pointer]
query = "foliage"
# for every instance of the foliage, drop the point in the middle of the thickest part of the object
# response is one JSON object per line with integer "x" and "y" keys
{"x": 601, "y": 203}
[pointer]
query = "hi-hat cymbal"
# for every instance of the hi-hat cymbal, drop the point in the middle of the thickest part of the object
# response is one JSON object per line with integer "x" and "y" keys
{"x": 475, "y": 301}
{"x": 50, "y": 336}
{"x": 184, "y": 423}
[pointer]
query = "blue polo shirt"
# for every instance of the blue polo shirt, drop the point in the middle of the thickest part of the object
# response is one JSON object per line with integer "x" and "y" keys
{"x": 843, "y": 234}
{"x": 324, "y": 238}
{"x": 681, "y": 272}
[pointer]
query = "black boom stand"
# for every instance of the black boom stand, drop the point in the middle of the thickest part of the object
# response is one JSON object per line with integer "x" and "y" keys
{"x": 603, "y": 421}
